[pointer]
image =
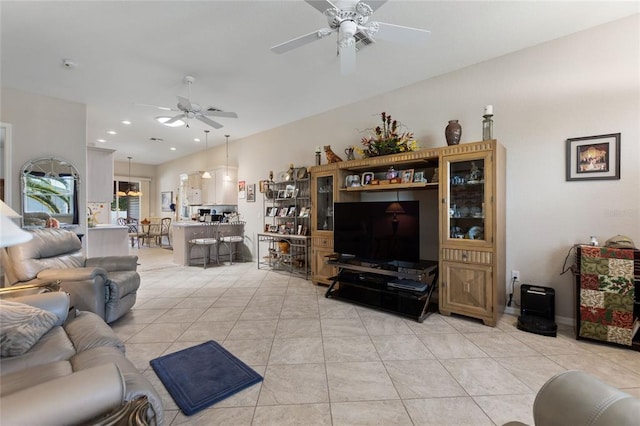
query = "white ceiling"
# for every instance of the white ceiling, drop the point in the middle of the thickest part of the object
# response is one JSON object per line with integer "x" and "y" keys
{"x": 138, "y": 52}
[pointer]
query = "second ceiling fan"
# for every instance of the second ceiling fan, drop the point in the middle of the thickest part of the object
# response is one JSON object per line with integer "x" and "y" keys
{"x": 190, "y": 110}
{"x": 350, "y": 19}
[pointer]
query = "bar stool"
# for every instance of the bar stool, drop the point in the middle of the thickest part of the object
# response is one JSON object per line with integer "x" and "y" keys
{"x": 235, "y": 235}
{"x": 205, "y": 238}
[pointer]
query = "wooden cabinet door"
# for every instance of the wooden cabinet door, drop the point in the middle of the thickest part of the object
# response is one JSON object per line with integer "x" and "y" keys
{"x": 466, "y": 289}
{"x": 320, "y": 271}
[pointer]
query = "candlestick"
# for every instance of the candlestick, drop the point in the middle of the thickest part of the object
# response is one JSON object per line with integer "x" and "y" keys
{"x": 488, "y": 110}
{"x": 318, "y": 151}
{"x": 317, "y": 158}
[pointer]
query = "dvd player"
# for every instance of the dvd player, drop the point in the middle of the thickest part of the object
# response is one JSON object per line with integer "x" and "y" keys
{"x": 406, "y": 284}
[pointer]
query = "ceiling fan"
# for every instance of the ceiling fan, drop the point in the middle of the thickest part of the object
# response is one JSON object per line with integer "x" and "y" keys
{"x": 190, "y": 110}
{"x": 350, "y": 19}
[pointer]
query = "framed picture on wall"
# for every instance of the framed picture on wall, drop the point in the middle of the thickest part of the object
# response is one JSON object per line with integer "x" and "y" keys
{"x": 251, "y": 193}
{"x": 167, "y": 199}
{"x": 593, "y": 157}
{"x": 242, "y": 191}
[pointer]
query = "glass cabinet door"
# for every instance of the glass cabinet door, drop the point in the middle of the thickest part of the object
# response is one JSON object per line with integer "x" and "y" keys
{"x": 467, "y": 201}
{"x": 323, "y": 219}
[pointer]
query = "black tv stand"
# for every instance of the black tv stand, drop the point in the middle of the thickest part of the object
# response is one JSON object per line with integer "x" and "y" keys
{"x": 399, "y": 287}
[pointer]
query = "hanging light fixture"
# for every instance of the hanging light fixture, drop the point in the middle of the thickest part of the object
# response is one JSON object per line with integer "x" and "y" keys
{"x": 129, "y": 192}
{"x": 206, "y": 175}
{"x": 227, "y": 177}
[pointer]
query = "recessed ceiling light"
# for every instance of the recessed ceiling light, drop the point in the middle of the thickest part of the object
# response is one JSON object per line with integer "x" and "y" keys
{"x": 126, "y": 122}
{"x": 112, "y": 132}
{"x": 163, "y": 120}
{"x": 196, "y": 140}
{"x": 173, "y": 148}
{"x": 101, "y": 140}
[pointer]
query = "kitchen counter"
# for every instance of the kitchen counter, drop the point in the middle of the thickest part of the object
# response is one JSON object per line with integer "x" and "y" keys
{"x": 184, "y": 231}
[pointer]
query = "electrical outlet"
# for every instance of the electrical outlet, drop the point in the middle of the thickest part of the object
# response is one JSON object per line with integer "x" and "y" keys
{"x": 515, "y": 275}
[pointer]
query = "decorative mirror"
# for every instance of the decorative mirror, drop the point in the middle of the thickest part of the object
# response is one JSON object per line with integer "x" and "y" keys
{"x": 49, "y": 191}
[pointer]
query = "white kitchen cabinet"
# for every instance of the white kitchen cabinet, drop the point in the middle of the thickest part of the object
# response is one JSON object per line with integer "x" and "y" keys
{"x": 99, "y": 174}
{"x": 219, "y": 190}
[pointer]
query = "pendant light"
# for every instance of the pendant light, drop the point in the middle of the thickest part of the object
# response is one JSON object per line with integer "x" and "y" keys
{"x": 206, "y": 175}
{"x": 130, "y": 192}
{"x": 227, "y": 177}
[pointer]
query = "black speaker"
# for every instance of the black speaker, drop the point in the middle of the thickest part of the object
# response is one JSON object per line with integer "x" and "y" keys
{"x": 537, "y": 310}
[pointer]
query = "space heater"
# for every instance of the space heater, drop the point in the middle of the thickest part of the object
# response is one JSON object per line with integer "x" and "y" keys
{"x": 537, "y": 310}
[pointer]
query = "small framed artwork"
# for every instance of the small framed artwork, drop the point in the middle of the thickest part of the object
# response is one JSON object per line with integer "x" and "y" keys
{"x": 251, "y": 193}
{"x": 282, "y": 193}
{"x": 242, "y": 192}
{"x": 303, "y": 231}
{"x": 283, "y": 211}
{"x": 266, "y": 227}
{"x": 273, "y": 228}
{"x": 407, "y": 176}
{"x": 418, "y": 177}
{"x": 271, "y": 211}
{"x": 166, "y": 198}
{"x": 593, "y": 157}
{"x": 366, "y": 178}
{"x": 292, "y": 211}
{"x": 264, "y": 186}
{"x": 299, "y": 230}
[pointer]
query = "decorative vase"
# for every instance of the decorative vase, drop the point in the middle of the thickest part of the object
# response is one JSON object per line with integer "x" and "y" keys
{"x": 453, "y": 132}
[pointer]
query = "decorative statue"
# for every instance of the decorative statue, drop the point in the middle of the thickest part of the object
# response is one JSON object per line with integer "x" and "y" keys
{"x": 332, "y": 157}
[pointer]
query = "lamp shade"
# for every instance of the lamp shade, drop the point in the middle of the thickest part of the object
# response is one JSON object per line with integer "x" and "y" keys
{"x": 5, "y": 210}
{"x": 11, "y": 234}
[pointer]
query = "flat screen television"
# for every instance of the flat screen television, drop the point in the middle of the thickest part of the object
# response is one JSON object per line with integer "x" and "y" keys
{"x": 381, "y": 231}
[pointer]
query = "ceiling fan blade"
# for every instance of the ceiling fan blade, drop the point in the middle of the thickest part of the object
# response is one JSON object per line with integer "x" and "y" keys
{"x": 302, "y": 40}
{"x": 400, "y": 34}
{"x": 209, "y": 121}
{"x": 347, "y": 55}
{"x": 320, "y": 5}
{"x": 215, "y": 113}
{"x": 375, "y": 4}
{"x": 185, "y": 103}
{"x": 174, "y": 119}
{"x": 163, "y": 108}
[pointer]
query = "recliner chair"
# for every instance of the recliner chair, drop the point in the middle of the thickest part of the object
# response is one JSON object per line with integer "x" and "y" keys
{"x": 104, "y": 285}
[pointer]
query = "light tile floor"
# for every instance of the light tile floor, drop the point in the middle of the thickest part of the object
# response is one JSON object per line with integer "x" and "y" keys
{"x": 326, "y": 362}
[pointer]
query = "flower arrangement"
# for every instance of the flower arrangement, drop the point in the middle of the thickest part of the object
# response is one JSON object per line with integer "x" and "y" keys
{"x": 387, "y": 139}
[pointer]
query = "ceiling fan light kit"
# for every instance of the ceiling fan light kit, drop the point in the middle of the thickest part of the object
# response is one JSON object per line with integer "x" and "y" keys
{"x": 350, "y": 21}
{"x": 167, "y": 121}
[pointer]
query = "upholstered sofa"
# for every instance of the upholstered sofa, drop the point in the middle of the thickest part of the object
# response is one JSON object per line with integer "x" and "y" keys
{"x": 576, "y": 398}
{"x": 60, "y": 368}
{"x": 104, "y": 285}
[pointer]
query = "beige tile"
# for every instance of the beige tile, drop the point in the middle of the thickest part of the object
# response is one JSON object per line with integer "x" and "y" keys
{"x": 253, "y": 330}
{"x": 547, "y": 345}
{"x": 359, "y": 381}
{"x": 206, "y": 330}
{"x": 141, "y": 353}
{"x": 159, "y": 303}
{"x": 158, "y": 333}
{"x": 196, "y": 302}
{"x": 355, "y": 348}
{"x": 401, "y": 347}
{"x": 610, "y": 372}
{"x": 225, "y": 301}
{"x": 342, "y": 327}
{"x": 507, "y": 408}
{"x": 254, "y": 352}
{"x": 460, "y": 411}
{"x": 247, "y": 397}
{"x": 294, "y": 384}
{"x": 386, "y": 325}
{"x": 484, "y": 376}
{"x": 365, "y": 413}
{"x": 304, "y": 327}
{"x": 330, "y": 308}
{"x": 422, "y": 379}
{"x": 451, "y": 346}
{"x": 230, "y": 313}
{"x": 434, "y": 323}
{"x": 533, "y": 371}
{"x": 264, "y": 312}
{"x": 180, "y": 315}
{"x": 468, "y": 325}
{"x": 237, "y": 416}
{"x": 500, "y": 344}
{"x": 301, "y": 350}
{"x": 293, "y": 415}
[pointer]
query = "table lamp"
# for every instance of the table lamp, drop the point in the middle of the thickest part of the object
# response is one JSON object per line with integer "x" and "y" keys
{"x": 10, "y": 233}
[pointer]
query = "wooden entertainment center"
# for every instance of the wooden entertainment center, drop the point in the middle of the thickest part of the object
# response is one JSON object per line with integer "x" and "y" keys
{"x": 470, "y": 181}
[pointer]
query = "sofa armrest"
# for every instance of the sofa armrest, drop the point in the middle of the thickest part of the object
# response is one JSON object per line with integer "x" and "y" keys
{"x": 114, "y": 263}
{"x": 57, "y": 303}
{"x": 72, "y": 274}
{"x": 72, "y": 399}
{"x": 87, "y": 287}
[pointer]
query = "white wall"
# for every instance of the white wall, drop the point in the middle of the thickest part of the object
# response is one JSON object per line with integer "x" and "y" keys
{"x": 45, "y": 127}
{"x": 582, "y": 85}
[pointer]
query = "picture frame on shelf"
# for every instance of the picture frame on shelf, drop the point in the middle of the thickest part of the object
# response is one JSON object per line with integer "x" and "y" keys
{"x": 299, "y": 230}
{"x": 593, "y": 157}
{"x": 273, "y": 228}
{"x": 292, "y": 211}
{"x": 407, "y": 176}
{"x": 281, "y": 194}
{"x": 271, "y": 211}
{"x": 367, "y": 177}
{"x": 418, "y": 177}
{"x": 284, "y": 211}
{"x": 264, "y": 186}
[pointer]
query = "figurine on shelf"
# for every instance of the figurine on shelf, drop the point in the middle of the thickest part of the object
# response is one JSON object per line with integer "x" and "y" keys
{"x": 476, "y": 173}
{"x": 332, "y": 157}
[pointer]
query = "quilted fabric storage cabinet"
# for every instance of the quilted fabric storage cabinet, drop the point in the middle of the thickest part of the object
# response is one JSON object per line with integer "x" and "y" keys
{"x": 607, "y": 303}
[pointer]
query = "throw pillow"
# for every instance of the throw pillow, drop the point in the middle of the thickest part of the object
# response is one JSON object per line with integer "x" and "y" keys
{"x": 21, "y": 326}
